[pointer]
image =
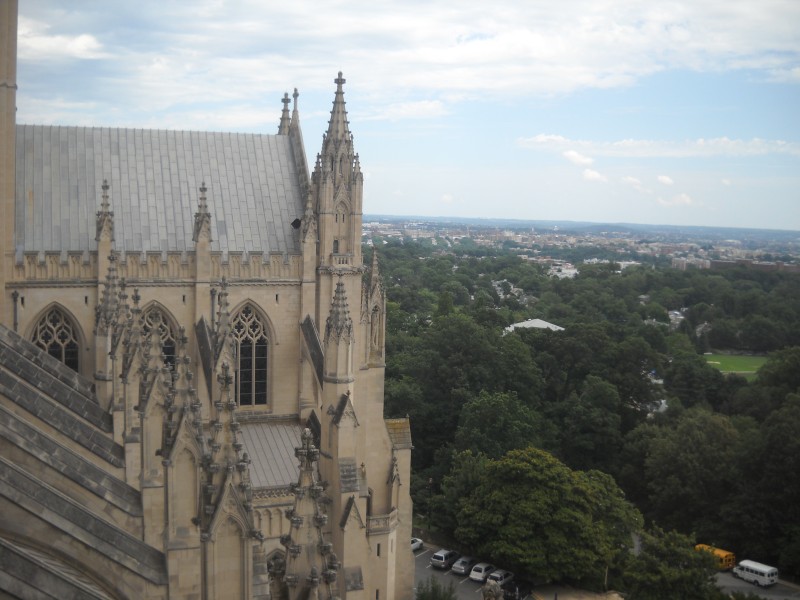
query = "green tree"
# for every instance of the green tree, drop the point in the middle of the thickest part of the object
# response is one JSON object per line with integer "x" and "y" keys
{"x": 465, "y": 474}
{"x": 668, "y": 567}
{"x": 782, "y": 370}
{"x": 691, "y": 471}
{"x": 772, "y": 493}
{"x": 494, "y": 423}
{"x": 532, "y": 513}
{"x": 590, "y": 434}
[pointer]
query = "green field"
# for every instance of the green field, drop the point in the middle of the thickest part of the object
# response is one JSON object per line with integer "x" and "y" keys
{"x": 729, "y": 363}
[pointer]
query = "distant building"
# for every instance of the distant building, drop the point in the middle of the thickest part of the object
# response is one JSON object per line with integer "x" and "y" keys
{"x": 533, "y": 324}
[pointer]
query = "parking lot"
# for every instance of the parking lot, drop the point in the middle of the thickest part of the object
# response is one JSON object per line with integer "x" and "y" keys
{"x": 467, "y": 589}
{"x": 464, "y": 587}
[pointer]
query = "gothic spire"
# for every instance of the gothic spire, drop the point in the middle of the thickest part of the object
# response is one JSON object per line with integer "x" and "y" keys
{"x": 202, "y": 218}
{"x": 338, "y": 126}
{"x": 283, "y": 128}
{"x": 295, "y": 112}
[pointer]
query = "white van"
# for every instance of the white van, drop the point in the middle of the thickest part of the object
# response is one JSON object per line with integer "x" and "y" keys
{"x": 755, "y": 572}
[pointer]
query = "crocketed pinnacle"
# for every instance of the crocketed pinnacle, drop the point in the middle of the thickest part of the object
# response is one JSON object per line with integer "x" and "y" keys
{"x": 339, "y": 324}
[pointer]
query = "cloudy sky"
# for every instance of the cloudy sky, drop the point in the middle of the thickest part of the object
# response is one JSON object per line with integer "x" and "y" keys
{"x": 682, "y": 113}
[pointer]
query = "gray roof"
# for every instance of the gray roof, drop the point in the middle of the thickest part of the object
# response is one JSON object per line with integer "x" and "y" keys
{"x": 271, "y": 448}
{"x": 253, "y": 189}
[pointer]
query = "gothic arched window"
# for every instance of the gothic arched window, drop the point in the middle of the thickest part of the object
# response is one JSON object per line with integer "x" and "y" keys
{"x": 154, "y": 316}
{"x": 55, "y": 334}
{"x": 252, "y": 353}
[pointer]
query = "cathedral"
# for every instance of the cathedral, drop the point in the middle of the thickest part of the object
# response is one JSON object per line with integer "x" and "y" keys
{"x": 192, "y": 366}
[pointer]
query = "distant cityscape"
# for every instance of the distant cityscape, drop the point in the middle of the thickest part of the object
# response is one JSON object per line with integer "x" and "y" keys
{"x": 545, "y": 242}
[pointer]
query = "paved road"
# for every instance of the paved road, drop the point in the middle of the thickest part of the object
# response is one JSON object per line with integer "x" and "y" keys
{"x": 779, "y": 591}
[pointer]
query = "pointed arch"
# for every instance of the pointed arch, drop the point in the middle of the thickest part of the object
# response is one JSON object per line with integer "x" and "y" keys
{"x": 167, "y": 325}
{"x": 255, "y": 338}
{"x": 56, "y": 331}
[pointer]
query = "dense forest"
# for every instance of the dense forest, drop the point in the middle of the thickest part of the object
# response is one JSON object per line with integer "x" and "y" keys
{"x": 544, "y": 450}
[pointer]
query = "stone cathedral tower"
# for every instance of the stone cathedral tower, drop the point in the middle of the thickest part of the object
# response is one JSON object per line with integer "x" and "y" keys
{"x": 192, "y": 366}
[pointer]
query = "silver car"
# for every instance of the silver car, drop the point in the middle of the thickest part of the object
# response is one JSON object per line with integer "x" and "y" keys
{"x": 444, "y": 559}
{"x": 463, "y": 565}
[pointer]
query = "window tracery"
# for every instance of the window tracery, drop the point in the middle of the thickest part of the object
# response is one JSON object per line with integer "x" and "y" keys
{"x": 252, "y": 356}
{"x": 55, "y": 334}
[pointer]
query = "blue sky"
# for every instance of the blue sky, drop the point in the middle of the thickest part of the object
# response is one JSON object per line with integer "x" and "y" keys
{"x": 684, "y": 113}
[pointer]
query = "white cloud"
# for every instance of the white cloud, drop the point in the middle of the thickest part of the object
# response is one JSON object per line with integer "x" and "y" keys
{"x": 592, "y": 175}
{"x": 499, "y": 49}
{"x": 665, "y": 179}
{"x": 665, "y": 148}
{"x": 447, "y": 198}
{"x": 679, "y": 200}
{"x": 35, "y": 43}
{"x": 577, "y": 158}
{"x": 635, "y": 184}
{"x": 726, "y": 182}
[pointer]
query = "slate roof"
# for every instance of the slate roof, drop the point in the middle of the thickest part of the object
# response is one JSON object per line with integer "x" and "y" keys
{"x": 253, "y": 189}
{"x": 271, "y": 448}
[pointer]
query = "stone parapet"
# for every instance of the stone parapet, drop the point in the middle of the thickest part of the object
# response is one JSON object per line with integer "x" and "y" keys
{"x": 382, "y": 524}
{"x": 169, "y": 266}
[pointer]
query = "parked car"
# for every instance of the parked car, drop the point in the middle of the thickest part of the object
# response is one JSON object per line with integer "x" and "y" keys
{"x": 481, "y": 571}
{"x": 502, "y": 577}
{"x": 416, "y": 544}
{"x": 464, "y": 565}
{"x": 444, "y": 559}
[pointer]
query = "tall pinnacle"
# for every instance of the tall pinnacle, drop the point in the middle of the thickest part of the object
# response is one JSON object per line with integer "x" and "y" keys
{"x": 338, "y": 126}
{"x": 283, "y": 128}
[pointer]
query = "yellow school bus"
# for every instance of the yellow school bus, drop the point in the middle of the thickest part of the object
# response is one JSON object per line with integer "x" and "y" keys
{"x": 724, "y": 560}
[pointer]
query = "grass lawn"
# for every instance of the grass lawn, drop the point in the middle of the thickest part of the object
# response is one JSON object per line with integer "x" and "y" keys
{"x": 730, "y": 363}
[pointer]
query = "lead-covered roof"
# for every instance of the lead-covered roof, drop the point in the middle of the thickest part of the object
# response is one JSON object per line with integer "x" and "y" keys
{"x": 253, "y": 189}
